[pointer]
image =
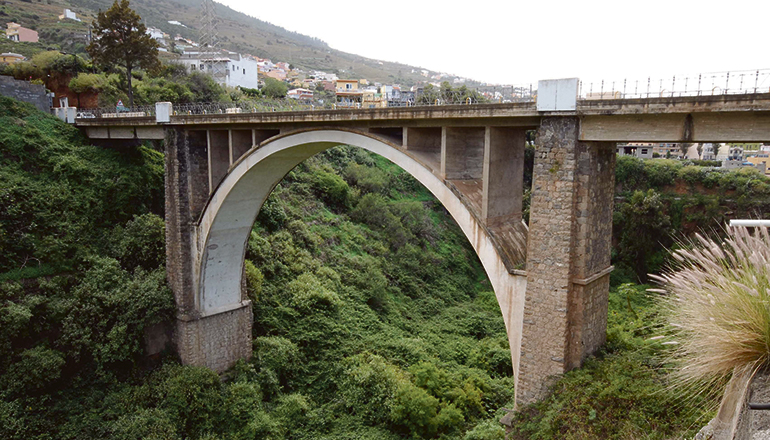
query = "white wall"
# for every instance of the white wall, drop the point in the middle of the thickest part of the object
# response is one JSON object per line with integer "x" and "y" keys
{"x": 244, "y": 73}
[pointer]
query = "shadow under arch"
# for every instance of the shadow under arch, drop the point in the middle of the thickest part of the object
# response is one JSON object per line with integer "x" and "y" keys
{"x": 226, "y": 222}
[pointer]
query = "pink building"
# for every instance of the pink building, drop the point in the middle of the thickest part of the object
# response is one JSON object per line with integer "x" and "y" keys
{"x": 16, "y": 32}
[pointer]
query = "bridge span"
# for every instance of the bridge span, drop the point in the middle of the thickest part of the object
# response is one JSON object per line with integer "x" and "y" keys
{"x": 551, "y": 277}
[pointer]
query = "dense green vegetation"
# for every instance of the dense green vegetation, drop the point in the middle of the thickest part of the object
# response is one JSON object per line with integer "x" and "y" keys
{"x": 373, "y": 317}
{"x": 661, "y": 201}
{"x": 367, "y": 326}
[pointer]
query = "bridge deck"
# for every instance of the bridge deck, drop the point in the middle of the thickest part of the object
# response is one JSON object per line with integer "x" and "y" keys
{"x": 720, "y": 118}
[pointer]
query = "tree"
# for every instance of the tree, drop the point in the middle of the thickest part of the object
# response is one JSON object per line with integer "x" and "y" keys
{"x": 121, "y": 39}
{"x": 87, "y": 82}
{"x": 645, "y": 231}
{"x": 274, "y": 88}
{"x": 684, "y": 147}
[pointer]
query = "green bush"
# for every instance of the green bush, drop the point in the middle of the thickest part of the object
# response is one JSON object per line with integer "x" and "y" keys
{"x": 109, "y": 311}
{"x": 486, "y": 430}
{"x": 332, "y": 188}
{"x": 142, "y": 243}
{"x": 254, "y": 280}
{"x": 191, "y": 397}
{"x": 35, "y": 371}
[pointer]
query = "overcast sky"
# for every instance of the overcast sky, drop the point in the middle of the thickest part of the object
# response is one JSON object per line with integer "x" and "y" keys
{"x": 515, "y": 42}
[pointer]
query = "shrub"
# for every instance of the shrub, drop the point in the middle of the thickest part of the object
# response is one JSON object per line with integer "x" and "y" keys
{"x": 331, "y": 187}
{"x": 720, "y": 304}
{"x": 486, "y": 430}
{"x": 307, "y": 293}
{"x": 191, "y": 397}
{"x": 36, "y": 370}
{"x": 661, "y": 172}
{"x": 142, "y": 243}
{"x": 691, "y": 174}
{"x": 254, "y": 280}
{"x": 644, "y": 230}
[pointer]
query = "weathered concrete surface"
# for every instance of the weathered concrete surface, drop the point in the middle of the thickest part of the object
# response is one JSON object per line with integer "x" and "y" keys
{"x": 224, "y": 226}
{"x": 727, "y": 423}
{"x": 503, "y": 173}
{"x": 735, "y": 420}
{"x": 219, "y": 156}
{"x": 241, "y": 141}
{"x": 462, "y": 153}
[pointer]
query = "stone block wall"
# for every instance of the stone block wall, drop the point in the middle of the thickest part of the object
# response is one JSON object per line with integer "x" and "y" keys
{"x": 180, "y": 229}
{"x": 24, "y": 91}
{"x": 568, "y": 253}
{"x": 215, "y": 341}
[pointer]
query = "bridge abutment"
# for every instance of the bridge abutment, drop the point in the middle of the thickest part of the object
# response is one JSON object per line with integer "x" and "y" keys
{"x": 212, "y": 338}
{"x": 568, "y": 254}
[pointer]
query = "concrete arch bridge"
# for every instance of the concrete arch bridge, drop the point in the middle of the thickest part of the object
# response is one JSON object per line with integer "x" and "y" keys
{"x": 551, "y": 279}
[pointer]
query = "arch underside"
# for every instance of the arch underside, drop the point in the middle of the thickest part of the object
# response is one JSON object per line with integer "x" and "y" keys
{"x": 224, "y": 228}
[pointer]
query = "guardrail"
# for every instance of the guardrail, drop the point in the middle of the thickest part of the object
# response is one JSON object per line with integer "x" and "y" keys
{"x": 703, "y": 84}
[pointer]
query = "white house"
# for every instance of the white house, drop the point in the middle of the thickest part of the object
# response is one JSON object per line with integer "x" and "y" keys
{"x": 69, "y": 15}
{"x": 157, "y": 35}
{"x": 229, "y": 69}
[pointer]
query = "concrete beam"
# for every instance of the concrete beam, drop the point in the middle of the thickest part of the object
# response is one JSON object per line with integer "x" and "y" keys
{"x": 633, "y": 128}
{"x": 98, "y": 132}
{"x": 731, "y": 127}
{"x": 122, "y": 133}
{"x": 673, "y": 127}
{"x": 150, "y": 133}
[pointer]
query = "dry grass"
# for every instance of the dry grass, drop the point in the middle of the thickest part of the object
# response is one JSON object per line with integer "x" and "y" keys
{"x": 719, "y": 306}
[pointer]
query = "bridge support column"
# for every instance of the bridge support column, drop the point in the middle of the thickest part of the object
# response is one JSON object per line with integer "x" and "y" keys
{"x": 241, "y": 141}
{"x": 462, "y": 153}
{"x": 219, "y": 156}
{"x": 568, "y": 254}
{"x": 213, "y": 338}
{"x": 503, "y": 174}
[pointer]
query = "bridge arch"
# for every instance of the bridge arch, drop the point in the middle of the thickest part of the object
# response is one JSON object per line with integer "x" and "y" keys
{"x": 227, "y": 220}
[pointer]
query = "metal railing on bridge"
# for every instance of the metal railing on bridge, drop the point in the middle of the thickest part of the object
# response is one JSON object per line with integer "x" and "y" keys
{"x": 742, "y": 82}
{"x": 704, "y": 84}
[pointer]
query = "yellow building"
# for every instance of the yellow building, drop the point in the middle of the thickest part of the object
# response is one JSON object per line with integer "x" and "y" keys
{"x": 371, "y": 99}
{"x": 761, "y": 162}
{"x": 346, "y": 85}
{"x": 10, "y": 58}
{"x": 348, "y": 93}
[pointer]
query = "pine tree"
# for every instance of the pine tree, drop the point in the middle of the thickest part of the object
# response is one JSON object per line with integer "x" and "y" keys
{"x": 120, "y": 38}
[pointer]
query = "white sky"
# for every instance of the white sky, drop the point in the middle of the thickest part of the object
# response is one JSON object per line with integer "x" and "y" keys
{"x": 518, "y": 42}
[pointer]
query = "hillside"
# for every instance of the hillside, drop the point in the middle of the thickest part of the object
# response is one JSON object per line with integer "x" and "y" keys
{"x": 238, "y": 32}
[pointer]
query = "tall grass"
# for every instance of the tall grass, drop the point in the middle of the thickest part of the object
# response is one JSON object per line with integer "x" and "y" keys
{"x": 719, "y": 305}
